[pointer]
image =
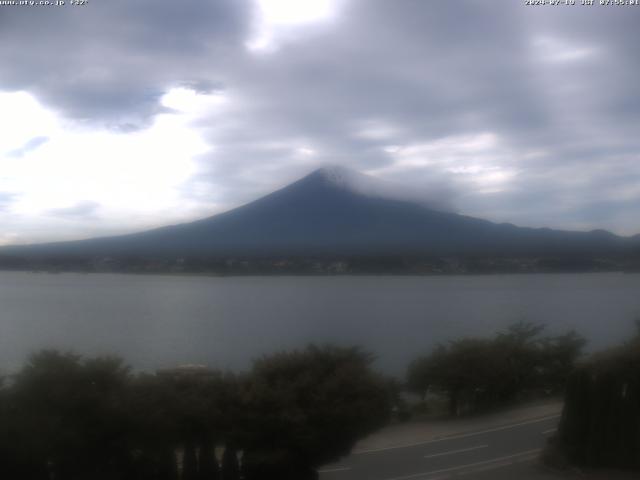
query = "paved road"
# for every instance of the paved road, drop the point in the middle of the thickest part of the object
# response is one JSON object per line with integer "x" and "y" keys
{"x": 499, "y": 452}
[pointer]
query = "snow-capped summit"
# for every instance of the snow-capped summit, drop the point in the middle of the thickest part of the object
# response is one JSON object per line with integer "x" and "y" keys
{"x": 371, "y": 186}
{"x": 349, "y": 179}
{"x": 341, "y": 176}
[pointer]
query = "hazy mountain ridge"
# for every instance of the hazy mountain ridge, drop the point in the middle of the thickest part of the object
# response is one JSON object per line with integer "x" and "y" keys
{"x": 337, "y": 211}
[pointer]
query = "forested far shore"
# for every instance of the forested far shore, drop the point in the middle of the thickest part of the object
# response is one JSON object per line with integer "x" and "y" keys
{"x": 323, "y": 264}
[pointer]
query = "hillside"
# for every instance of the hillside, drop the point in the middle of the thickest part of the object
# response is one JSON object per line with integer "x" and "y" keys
{"x": 337, "y": 212}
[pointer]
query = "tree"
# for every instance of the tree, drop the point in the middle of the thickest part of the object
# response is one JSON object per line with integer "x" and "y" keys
{"x": 207, "y": 462}
{"x": 479, "y": 373}
{"x": 70, "y": 418}
{"x": 307, "y": 408}
{"x": 559, "y": 357}
{"x": 230, "y": 466}
{"x": 420, "y": 376}
{"x": 186, "y": 409}
{"x": 72, "y": 421}
{"x": 520, "y": 347}
{"x": 600, "y": 425}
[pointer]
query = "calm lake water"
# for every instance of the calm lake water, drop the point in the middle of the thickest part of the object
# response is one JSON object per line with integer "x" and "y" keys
{"x": 160, "y": 321}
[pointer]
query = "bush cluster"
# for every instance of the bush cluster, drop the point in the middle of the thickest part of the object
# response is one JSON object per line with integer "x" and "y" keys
{"x": 477, "y": 374}
{"x": 600, "y": 425}
{"x": 70, "y": 418}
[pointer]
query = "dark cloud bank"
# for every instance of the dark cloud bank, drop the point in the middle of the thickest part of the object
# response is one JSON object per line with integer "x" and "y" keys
{"x": 518, "y": 114}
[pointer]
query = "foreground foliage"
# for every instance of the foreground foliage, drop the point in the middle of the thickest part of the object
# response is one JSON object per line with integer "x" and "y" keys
{"x": 482, "y": 373}
{"x": 600, "y": 425}
{"x": 70, "y": 418}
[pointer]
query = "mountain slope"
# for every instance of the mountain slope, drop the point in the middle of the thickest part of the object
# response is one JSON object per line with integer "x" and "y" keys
{"x": 327, "y": 212}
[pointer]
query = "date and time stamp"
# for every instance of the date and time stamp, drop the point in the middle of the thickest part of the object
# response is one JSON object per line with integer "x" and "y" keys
{"x": 528, "y": 3}
{"x": 583, "y": 3}
{"x": 44, "y": 3}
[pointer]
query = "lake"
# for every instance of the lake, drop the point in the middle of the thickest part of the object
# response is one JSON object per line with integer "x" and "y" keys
{"x": 160, "y": 321}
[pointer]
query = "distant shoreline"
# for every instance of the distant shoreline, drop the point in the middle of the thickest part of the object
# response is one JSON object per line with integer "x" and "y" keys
{"x": 325, "y": 265}
{"x": 311, "y": 274}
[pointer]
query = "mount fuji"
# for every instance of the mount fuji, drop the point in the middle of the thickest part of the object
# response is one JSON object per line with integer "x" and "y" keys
{"x": 335, "y": 211}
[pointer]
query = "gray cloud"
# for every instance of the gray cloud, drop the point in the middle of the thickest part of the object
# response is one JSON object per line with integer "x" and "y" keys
{"x": 553, "y": 88}
{"x": 111, "y": 61}
{"x": 442, "y": 70}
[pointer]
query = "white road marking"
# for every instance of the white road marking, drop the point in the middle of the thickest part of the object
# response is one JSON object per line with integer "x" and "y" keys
{"x": 500, "y": 461}
{"x": 551, "y": 430}
{"x": 456, "y": 437}
{"x": 332, "y": 470}
{"x": 453, "y": 452}
{"x": 495, "y": 466}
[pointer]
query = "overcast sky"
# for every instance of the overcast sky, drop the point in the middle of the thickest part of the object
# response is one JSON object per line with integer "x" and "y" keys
{"x": 121, "y": 115}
